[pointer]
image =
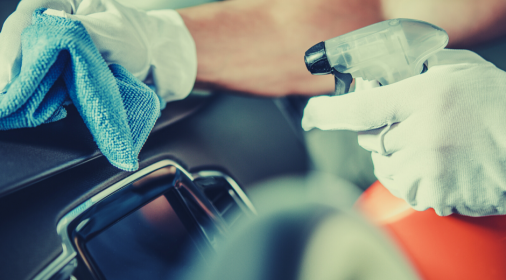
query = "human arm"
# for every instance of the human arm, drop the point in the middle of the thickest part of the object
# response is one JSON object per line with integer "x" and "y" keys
{"x": 258, "y": 46}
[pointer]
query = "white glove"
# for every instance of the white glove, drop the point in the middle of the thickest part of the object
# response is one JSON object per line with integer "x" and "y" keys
{"x": 154, "y": 42}
{"x": 438, "y": 140}
{"x": 10, "y": 37}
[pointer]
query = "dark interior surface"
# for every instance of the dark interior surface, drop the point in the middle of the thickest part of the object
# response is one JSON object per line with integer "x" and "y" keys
{"x": 31, "y": 154}
{"x": 247, "y": 136}
{"x": 144, "y": 246}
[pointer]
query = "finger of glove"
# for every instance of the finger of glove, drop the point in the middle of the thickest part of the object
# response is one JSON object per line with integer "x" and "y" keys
{"x": 10, "y": 37}
{"x": 391, "y": 172}
{"x": 415, "y": 177}
{"x": 451, "y": 57}
{"x": 416, "y": 131}
{"x": 363, "y": 110}
{"x": 373, "y": 140}
{"x": 390, "y": 138}
{"x": 384, "y": 166}
{"x": 57, "y": 13}
{"x": 361, "y": 84}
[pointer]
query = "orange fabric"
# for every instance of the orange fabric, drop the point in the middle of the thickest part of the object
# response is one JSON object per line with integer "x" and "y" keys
{"x": 452, "y": 247}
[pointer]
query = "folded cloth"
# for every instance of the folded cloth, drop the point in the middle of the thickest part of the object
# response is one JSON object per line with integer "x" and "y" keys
{"x": 60, "y": 62}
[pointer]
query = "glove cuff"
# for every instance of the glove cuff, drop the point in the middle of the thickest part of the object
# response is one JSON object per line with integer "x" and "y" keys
{"x": 174, "y": 55}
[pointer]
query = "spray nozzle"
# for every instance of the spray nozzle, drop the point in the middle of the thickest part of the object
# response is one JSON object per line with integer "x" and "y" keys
{"x": 318, "y": 64}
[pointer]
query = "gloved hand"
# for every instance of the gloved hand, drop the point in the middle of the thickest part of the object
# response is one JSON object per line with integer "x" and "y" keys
{"x": 438, "y": 140}
{"x": 10, "y": 37}
{"x": 154, "y": 42}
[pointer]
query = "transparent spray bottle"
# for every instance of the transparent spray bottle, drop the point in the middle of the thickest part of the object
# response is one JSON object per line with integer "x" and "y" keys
{"x": 387, "y": 52}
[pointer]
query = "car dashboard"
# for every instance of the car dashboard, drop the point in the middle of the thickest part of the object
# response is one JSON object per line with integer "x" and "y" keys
{"x": 54, "y": 172}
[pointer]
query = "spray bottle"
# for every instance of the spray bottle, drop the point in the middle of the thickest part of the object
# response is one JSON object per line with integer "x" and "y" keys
{"x": 387, "y": 52}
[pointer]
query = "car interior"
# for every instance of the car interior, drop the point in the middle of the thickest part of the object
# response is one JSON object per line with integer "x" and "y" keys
{"x": 203, "y": 151}
{"x": 67, "y": 213}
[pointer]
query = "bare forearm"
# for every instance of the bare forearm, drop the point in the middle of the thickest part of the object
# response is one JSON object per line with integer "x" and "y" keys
{"x": 221, "y": 32}
{"x": 258, "y": 46}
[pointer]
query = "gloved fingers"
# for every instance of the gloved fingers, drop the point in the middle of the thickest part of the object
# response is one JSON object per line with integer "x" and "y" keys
{"x": 361, "y": 84}
{"x": 373, "y": 140}
{"x": 376, "y": 107}
{"x": 385, "y": 140}
{"x": 391, "y": 172}
{"x": 391, "y": 138}
{"x": 10, "y": 54}
{"x": 400, "y": 188}
{"x": 384, "y": 165}
{"x": 386, "y": 170}
{"x": 417, "y": 191}
{"x": 57, "y": 13}
{"x": 415, "y": 177}
{"x": 451, "y": 57}
{"x": 10, "y": 37}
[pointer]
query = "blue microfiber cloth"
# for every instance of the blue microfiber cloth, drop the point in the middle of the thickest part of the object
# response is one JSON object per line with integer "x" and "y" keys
{"x": 60, "y": 62}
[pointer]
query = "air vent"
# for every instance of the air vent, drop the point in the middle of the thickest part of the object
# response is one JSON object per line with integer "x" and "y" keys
{"x": 223, "y": 198}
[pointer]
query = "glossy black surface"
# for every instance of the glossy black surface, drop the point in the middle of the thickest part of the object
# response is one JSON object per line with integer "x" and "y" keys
{"x": 316, "y": 60}
{"x": 247, "y": 136}
{"x": 138, "y": 230}
{"x": 135, "y": 248}
{"x": 31, "y": 154}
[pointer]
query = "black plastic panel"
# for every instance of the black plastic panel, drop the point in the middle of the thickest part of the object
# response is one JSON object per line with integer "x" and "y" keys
{"x": 246, "y": 136}
{"x": 31, "y": 154}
